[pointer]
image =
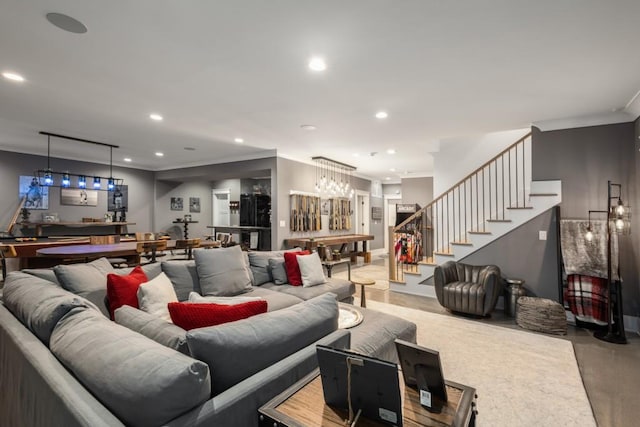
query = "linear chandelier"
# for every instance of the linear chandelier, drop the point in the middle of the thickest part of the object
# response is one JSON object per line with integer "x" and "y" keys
{"x": 333, "y": 177}
{"x": 49, "y": 177}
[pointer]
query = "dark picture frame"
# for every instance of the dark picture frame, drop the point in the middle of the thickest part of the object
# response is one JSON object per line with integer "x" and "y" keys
{"x": 177, "y": 204}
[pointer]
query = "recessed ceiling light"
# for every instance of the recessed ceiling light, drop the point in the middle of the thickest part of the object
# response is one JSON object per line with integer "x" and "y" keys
{"x": 239, "y": 140}
{"x": 67, "y": 23}
{"x": 317, "y": 64}
{"x": 356, "y": 154}
{"x": 392, "y": 169}
{"x": 127, "y": 159}
{"x": 159, "y": 153}
{"x": 391, "y": 151}
{"x": 387, "y": 178}
{"x": 156, "y": 117}
{"x": 382, "y": 115}
{"x": 308, "y": 127}
{"x": 13, "y": 76}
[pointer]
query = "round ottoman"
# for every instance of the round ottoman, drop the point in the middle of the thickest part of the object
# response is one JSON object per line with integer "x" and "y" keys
{"x": 541, "y": 315}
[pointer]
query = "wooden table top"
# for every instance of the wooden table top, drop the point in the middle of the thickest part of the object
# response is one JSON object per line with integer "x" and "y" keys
{"x": 330, "y": 240}
{"x": 75, "y": 223}
{"x": 91, "y": 251}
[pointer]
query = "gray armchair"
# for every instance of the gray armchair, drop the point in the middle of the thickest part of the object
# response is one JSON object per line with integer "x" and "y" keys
{"x": 471, "y": 289}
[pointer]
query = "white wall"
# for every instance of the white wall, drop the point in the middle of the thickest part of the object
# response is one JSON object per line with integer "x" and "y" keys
{"x": 460, "y": 156}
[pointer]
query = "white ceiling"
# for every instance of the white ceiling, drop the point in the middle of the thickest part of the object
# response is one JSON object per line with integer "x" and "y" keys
{"x": 217, "y": 70}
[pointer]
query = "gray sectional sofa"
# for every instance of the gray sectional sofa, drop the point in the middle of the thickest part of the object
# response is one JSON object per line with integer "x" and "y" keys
{"x": 64, "y": 363}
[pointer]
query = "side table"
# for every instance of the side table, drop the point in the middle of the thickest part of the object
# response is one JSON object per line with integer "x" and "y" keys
{"x": 330, "y": 264}
{"x": 363, "y": 282}
{"x": 514, "y": 289}
{"x": 302, "y": 404}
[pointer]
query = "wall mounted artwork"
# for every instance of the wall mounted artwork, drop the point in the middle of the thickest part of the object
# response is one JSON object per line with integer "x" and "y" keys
{"x": 118, "y": 199}
{"x": 177, "y": 204}
{"x": 37, "y": 195}
{"x": 194, "y": 204}
{"x": 78, "y": 197}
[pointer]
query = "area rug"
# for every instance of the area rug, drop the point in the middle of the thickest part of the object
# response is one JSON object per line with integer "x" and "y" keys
{"x": 521, "y": 378}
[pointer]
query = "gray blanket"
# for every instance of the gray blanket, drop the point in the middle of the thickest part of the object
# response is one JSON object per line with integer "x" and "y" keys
{"x": 587, "y": 258}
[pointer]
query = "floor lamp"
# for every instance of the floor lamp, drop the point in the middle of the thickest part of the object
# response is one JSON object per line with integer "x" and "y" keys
{"x": 618, "y": 221}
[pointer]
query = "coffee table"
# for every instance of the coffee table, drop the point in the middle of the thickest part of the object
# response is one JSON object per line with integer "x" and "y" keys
{"x": 302, "y": 404}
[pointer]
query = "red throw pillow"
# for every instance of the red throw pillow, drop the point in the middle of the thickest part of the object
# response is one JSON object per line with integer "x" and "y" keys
{"x": 291, "y": 265}
{"x": 190, "y": 315}
{"x": 123, "y": 290}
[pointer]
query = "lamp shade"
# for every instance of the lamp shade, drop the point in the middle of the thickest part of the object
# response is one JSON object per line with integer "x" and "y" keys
{"x": 96, "y": 182}
{"x": 66, "y": 181}
{"x": 82, "y": 181}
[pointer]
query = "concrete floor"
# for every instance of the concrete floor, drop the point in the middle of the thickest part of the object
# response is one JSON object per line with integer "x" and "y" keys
{"x": 610, "y": 372}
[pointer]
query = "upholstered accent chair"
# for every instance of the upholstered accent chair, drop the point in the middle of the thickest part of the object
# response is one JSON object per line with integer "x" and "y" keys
{"x": 470, "y": 289}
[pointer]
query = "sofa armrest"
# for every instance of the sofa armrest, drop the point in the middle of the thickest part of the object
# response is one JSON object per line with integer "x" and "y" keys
{"x": 491, "y": 281}
{"x": 239, "y": 404}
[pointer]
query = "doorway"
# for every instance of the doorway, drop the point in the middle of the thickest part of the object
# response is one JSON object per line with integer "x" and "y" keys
{"x": 362, "y": 212}
{"x": 390, "y": 202}
{"x": 220, "y": 208}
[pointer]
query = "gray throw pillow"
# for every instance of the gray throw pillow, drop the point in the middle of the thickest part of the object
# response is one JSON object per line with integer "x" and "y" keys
{"x": 259, "y": 264}
{"x": 233, "y": 353}
{"x": 222, "y": 272}
{"x": 278, "y": 271}
{"x": 141, "y": 381}
{"x": 87, "y": 280}
{"x": 183, "y": 276}
{"x": 153, "y": 327}
{"x": 38, "y": 303}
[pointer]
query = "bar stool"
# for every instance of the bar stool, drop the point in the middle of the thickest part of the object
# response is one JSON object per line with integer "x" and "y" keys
{"x": 188, "y": 245}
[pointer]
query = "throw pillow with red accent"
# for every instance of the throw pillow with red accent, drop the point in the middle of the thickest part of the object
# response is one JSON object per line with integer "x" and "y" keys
{"x": 190, "y": 315}
{"x": 292, "y": 267}
{"x": 123, "y": 290}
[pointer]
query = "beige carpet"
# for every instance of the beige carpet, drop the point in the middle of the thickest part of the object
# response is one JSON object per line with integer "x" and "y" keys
{"x": 521, "y": 378}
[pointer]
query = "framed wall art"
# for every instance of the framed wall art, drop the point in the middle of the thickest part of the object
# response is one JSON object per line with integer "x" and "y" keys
{"x": 37, "y": 194}
{"x": 78, "y": 197}
{"x": 177, "y": 204}
{"x": 194, "y": 204}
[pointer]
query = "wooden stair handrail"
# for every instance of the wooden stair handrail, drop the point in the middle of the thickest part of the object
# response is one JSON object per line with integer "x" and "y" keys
{"x": 441, "y": 196}
{"x": 14, "y": 218}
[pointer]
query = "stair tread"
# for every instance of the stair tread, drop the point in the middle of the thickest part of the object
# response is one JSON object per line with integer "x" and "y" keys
{"x": 543, "y": 194}
{"x": 498, "y": 220}
{"x": 462, "y": 243}
{"x": 429, "y": 263}
{"x": 443, "y": 253}
{"x": 413, "y": 273}
{"x": 519, "y": 207}
{"x": 399, "y": 282}
{"x": 478, "y": 232}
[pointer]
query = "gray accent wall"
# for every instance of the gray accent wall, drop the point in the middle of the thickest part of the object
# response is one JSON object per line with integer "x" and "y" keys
{"x": 584, "y": 159}
{"x": 300, "y": 177}
{"x": 140, "y": 188}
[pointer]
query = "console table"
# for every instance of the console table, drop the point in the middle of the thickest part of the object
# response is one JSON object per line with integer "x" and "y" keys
{"x": 302, "y": 404}
{"x": 343, "y": 240}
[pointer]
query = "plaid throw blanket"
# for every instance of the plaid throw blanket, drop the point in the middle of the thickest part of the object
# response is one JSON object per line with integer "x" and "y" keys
{"x": 587, "y": 298}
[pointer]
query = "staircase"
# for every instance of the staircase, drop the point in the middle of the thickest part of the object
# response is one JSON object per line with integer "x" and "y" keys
{"x": 496, "y": 198}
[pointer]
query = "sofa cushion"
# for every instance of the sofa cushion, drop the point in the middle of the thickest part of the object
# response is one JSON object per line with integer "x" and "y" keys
{"x": 39, "y": 304}
{"x": 87, "y": 280}
{"x": 183, "y": 276}
{"x": 344, "y": 289}
{"x": 275, "y": 300}
{"x": 123, "y": 289}
{"x": 222, "y": 272}
{"x": 293, "y": 269}
{"x": 311, "y": 270}
{"x": 259, "y": 264}
{"x": 43, "y": 273}
{"x": 233, "y": 353}
{"x": 155, "y": 295}
{"x": 151, "y": 270}
{"x": 278, "y": 271}
{"x": 194, "y": 297}
{"x": 141, "y": 381}
{"x": 161, "y": 331}
{"x": 192, "y": 315}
